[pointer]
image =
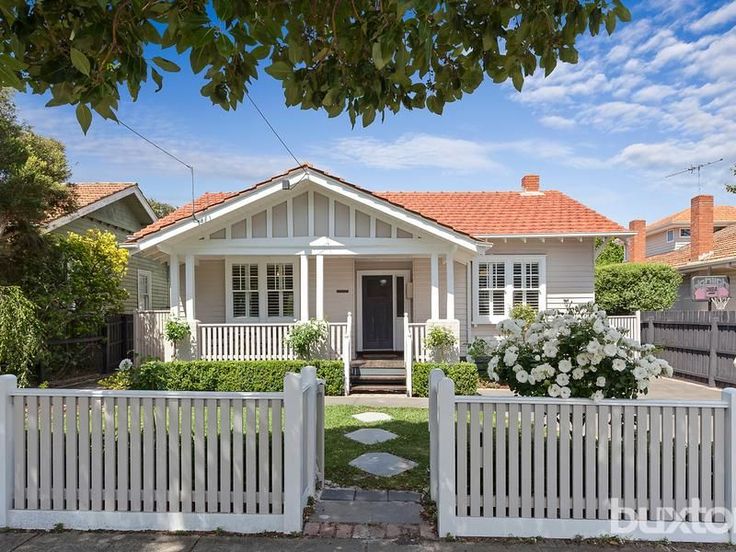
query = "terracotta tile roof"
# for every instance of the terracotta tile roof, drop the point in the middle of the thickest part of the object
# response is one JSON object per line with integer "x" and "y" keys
{"x": 202, "y": 203}
{"x": 471, "y": 213}
{"x": 724, "y": 247}
{"x": 722, "y": 215}
{"x": 506, "y": 213}
{"x": 87, "y": 193}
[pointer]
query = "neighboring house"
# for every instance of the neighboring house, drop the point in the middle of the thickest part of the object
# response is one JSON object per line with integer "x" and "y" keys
{"x": 673, "y": 232}
{"x": 711, "y": 249}
{"x": 306, "y": 244}
{"x": 120, "y": 208}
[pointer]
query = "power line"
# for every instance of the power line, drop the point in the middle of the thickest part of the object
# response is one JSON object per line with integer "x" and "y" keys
{"x": 275, "y": 133}
{"x": 174, "y": 157}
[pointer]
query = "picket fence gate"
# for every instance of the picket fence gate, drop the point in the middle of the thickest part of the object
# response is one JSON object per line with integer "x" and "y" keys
{"x": 537, "y": 467}
{"x": 169, "y": 461}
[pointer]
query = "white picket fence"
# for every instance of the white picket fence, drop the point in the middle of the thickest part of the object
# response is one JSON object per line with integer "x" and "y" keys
{"x": 528, "y": 467}
{"x": 260, "y": 341}
{"x": 149, "y": 460}
{"x": 629, "y": 323}
{"x": 418, "y": 334}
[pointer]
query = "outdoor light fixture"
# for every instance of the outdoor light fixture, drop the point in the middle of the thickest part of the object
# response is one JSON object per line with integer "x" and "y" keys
{"x": 285, "y": 184}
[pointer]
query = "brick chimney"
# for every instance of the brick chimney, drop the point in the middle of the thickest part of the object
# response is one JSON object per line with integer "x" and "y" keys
{"x": 701, "y": 226}
{"x": 530, "y": 183}
{"x": 636, "y": 246}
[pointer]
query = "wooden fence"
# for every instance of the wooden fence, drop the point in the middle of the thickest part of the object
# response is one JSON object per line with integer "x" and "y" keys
{"x": 148, "y": 329}
{"x": 149, "y": 460}
{"x": 698, "y": 344}
{"x": 527, "y": 467}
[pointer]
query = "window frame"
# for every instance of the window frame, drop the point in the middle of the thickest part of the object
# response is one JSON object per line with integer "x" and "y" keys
{"x": 262, "y": 263}
{"x": 149, "y": 288}
{"x": 670, "y": 235}
{"x": 685, "y": 235}
{"x": 508, "y": 261}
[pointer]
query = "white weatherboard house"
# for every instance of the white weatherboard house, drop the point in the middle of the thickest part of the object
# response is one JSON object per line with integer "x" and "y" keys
{"x": 377, "y": 266}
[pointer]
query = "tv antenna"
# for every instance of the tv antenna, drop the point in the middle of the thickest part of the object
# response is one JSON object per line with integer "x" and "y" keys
{"x": 693, "y": 169}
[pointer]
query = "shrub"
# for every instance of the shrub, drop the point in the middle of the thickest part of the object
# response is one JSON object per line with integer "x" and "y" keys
{"x": 464, "y": 374}
{"x": 573, "y": 354}
{"x": 524, "y": 313}
{"x": 21, "y": 336}
{"x": 627, "y": 288}
{"x": 440, "y": 341}
{"x": 307, "y": 337}
{"x": 223, "y": 375}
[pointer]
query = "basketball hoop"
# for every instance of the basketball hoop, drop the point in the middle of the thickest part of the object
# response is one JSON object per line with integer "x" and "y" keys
{"x": 720, "y": 303}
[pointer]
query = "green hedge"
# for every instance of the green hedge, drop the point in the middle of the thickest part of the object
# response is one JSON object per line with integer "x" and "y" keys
{"x": 629, "y": 287}
{"x": 223, "y": 375}
{"x": 464, "y": 374}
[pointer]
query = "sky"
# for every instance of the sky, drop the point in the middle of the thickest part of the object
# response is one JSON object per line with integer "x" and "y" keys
{"x": 656, "y": 97}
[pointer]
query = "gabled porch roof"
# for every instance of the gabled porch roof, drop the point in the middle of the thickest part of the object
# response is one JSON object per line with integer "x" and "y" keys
{"x": 213, "y": 206}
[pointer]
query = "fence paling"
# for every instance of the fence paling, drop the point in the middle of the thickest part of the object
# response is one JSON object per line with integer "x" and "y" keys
{"x": 419, "y": 334}
{"x": 571, "y": 464}
{"x": 630, "y": 324}
{"x": 153, "y": 460}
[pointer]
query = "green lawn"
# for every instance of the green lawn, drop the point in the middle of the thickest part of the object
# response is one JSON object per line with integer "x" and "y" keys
{"x": 410, "y": 424}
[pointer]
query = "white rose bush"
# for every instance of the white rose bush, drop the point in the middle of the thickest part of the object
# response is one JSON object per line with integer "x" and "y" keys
{"x": 574, "y": 353}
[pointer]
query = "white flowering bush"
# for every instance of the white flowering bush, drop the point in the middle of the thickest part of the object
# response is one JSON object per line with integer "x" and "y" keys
{"x": 125, "y": 364}
{"x": 575, "y": 353}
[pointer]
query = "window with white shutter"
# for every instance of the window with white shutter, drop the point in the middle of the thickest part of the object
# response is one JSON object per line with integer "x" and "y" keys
{"x": 280, "y": 290}
{"x": 244, "y": 292}
{"x": 502, "y": 281}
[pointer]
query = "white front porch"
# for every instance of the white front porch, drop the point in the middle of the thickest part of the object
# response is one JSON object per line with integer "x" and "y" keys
{"x": 243, "y": 306}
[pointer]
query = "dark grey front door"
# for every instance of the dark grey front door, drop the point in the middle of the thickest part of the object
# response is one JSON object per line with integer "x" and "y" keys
{"x": 378, "y": 313}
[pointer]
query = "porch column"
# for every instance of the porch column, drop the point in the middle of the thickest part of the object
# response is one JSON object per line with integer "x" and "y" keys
{"x": 174, "y": 285}
{"x": 320, "y": 291}
{"x": 434, "y": 281}
{"x": 304, "y": 287}
{"x": 450, "y": 258}
{"x": 189, "y": 285}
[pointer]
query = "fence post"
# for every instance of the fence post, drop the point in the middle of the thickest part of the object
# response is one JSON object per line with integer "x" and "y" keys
{"x": 408, "y": 345}
{"x": 729, "y": 395}
{"x": 347, "y": 353}
{"x": 713, "y": 356}
{"x": 293, "y": 458}
{"x": 447, "y": 495}
{"x": 435, "y": 376}
{"x": 8, "y": 384}
{"x": 309, "y": 386}
{"x": 637, "y": 336}
{"x": 650, "y": 332}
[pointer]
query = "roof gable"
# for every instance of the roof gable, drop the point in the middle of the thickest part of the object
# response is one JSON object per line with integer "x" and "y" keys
{"x": 92, "y": 196}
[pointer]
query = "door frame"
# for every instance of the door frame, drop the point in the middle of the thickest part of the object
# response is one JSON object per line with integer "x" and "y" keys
{"x": 398, "y": 322}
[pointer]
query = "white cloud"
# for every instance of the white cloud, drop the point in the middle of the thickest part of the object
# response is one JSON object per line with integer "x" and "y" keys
{"x": 721, "y": 16}
{"x": 555, "y": 121}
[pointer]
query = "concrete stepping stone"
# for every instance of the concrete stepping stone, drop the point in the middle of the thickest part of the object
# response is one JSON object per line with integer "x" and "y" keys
{"x": 371, "y": 436}
{"x": 382, "y": 464}
{"x": 371, "y": 417}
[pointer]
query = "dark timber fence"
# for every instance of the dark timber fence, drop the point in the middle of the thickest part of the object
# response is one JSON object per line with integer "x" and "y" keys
{"x": 698, "y": 344}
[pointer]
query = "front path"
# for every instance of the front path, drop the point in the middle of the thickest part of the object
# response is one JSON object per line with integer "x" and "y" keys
{"x": 73, "y": 541}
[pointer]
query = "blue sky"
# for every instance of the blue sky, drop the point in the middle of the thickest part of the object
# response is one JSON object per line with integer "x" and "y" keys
{"x": 657, "y": 96}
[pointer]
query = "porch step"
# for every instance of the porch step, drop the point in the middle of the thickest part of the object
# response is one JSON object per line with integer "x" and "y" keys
{"x": 360, "y": 371}
{"x": 377, "y": 379}
{"x": 377, "y": 388}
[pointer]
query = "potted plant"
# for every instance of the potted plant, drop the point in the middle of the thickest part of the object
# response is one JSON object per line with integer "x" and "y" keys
{"x": 440, "y": 342}
{"x": 480, "y": 351}
{"x": 306, "y": 338}
{"x": 175, "y": 331}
